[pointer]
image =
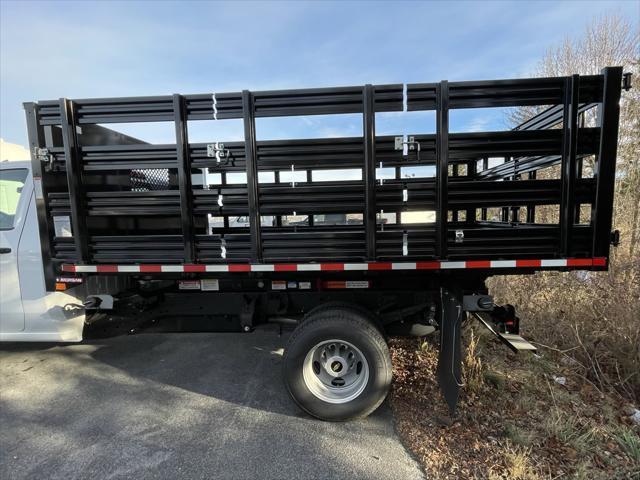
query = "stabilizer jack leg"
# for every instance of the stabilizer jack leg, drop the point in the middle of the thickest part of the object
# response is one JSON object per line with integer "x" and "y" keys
{"x": 449, "y": 360}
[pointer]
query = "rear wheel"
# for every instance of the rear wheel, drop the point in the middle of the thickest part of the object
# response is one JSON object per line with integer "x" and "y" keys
{"x": 340, "y": 307}
{"x": 337, "y": 365}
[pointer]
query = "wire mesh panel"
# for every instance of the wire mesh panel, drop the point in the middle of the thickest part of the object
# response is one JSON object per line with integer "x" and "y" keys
{"x": 149, "y": 179}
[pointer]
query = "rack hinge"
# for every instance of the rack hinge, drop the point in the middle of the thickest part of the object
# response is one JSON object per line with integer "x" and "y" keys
{"x": 217, "y": 151}
{"x": 410, "y": 142}
{"x": 42, "y": 154}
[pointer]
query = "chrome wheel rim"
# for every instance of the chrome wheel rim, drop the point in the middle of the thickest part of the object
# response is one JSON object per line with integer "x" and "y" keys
{"x": 335, "y": 371}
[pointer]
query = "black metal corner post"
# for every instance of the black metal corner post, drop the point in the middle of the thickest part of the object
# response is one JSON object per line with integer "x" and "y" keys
{"x": 442, "y": 167}
{"x": 73, "y": 165}
{"x": 369, "y": 133}
{"x": 37, "y": 140}
{"x": 608, "y": 121}
{"x": 184, "y": 176}
{"x": 569, "y": 165}
{"x": 248, "y": 113}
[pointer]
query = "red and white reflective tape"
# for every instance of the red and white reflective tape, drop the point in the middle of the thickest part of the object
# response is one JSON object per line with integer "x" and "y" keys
{"x": 338, "y": 267}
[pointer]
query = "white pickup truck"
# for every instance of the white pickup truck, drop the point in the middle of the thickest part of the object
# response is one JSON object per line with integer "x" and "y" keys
{"x": 27, "y": 311}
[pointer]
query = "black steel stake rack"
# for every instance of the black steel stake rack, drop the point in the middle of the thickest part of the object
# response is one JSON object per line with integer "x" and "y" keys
{"x": 133, "y": 203}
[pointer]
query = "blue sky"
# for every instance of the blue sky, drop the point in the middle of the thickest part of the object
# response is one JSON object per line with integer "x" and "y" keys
{"x": 86, "y": 49}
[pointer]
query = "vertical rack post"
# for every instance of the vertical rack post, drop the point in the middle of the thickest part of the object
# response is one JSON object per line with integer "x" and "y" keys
{"x": 455, "y": 174}
{"x": 251, "y": 157}
{"x": 531, "y": 209}
{"x": 184, "y": 176}
{"x": 472, "y": 168}
{"x": 483, "y": 211}
{"x": 608, "y": 120}
{"x": 73, "y": 165}
{"x": 369, "y": 132}
{"x": 442, "y": 167}
{"x": 37, "y": 140}
{"x": 568, "y": 167}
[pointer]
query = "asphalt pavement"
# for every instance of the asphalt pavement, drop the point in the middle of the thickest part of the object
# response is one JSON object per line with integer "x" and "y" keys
{"x": 171, "y": 406}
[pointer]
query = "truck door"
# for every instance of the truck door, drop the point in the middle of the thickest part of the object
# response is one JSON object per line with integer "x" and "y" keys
{"x": 13, "y": 208}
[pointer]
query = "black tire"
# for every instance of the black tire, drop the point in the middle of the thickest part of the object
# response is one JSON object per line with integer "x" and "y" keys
{"x": 349, "y": 326}
{"x": 340, "y": 306}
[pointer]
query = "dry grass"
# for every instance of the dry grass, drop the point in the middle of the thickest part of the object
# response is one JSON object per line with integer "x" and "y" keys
{"x": 473, "y": 368}
{"x": 513, "y": 421}
{"x": 589, "y": 319}
{"x": 629, "y": 440}
{"x": 517, "y": 465}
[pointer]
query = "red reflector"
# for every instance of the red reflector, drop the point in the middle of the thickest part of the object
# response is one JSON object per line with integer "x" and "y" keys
{"x": 579, "y": 262}
{"x": 285, "y": 267}
{"x": 427, "y": 265}
{"x": 380, "y": 266}
{"x": 107, "y": 269}
{"x": 331, "y": 266}
{"x": 528, "y": 263}
{"x": 600, "y": 262}
{"x": 478, "y": 264}
{"x": 150, "y": 268}
{"x": 68, "y": 268}
{"x": 191, "y": 268}
{"x": 239, "y": 268}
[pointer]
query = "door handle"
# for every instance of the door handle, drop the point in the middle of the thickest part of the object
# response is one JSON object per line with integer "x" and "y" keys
{"x": 5, "y": 250}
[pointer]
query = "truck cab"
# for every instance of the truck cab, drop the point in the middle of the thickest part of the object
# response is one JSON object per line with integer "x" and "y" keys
{"x": 29, "y": 312}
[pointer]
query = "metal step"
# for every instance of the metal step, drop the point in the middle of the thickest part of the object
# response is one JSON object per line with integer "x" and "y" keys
{"x": 515, "y": 342}
{"x": 511, "y": 340}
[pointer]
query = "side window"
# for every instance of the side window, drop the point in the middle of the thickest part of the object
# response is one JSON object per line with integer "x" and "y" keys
{"x": 11, "y": 183}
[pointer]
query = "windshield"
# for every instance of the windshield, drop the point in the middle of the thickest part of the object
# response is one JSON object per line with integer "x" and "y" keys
{"x": 11, "y": 183}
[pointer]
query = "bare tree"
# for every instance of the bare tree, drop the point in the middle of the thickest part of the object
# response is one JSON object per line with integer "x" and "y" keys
{"x": 601, "y": 309}
{"x": 607, "y": 41}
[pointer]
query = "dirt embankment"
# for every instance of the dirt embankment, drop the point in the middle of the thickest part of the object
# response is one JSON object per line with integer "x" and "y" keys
{"x": 520, "y": 416}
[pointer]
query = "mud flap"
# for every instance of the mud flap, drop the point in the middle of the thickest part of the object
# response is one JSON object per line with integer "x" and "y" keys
{"x": 449, "y": 360}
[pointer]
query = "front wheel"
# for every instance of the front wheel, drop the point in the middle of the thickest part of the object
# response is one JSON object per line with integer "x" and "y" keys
{"x": 337, "y": 366}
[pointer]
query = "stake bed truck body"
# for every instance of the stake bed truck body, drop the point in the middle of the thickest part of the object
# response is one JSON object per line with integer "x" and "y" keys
{"x": 348, "y": 239}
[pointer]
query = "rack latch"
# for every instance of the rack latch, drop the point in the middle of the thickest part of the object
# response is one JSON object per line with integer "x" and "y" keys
{"x": 410, "y": 142}
{"x": 43, "y": 155}
{"x": 626, "y": 81}
{"x": 217, "y": 151}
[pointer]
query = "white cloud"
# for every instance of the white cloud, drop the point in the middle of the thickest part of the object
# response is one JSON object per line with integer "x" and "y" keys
{"x": 12, "y": 152}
